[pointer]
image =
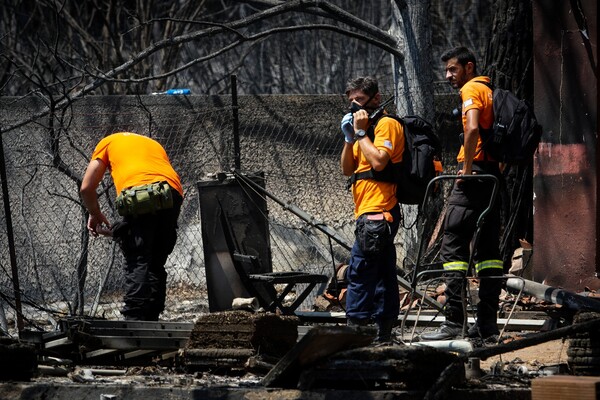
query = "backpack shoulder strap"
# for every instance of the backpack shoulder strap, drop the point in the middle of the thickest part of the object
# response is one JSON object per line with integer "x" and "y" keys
{"x": 371, "y": 129}
{"x": 486, "y": 134}
{"x": 385, "y": 174}
{"x": 488, "y": 84}
{"x": 393, "y": 116}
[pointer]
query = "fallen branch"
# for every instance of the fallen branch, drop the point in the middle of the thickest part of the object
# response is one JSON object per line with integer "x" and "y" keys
{"x": 535, "y": 339}
{"x": 448, "y": 376}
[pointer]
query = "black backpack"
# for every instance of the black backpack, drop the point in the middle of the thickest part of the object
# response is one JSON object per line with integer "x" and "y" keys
{"x": 515, "y": 134}
{"x": 421, "y": 147}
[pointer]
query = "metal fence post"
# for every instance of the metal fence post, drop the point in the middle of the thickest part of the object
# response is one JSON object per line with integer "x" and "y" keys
{"x": 11, "y": 239}
{"x": 236, "y": 133}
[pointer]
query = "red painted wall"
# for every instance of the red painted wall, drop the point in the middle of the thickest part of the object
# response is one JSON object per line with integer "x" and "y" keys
{"x": 565, "y": 175}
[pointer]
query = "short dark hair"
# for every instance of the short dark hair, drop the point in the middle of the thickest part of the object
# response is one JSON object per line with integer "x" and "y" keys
{"x": 463, "y": 55}
{"x": 367, "y": 84}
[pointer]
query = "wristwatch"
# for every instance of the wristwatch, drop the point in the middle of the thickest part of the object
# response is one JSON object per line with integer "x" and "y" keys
{"x": 360, "y": 133}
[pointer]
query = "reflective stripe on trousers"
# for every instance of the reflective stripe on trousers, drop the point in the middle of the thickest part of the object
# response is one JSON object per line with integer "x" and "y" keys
{"x": 456, "y": 266}
{"x": 462, "y": 266}
{"x": 480, "y": 266}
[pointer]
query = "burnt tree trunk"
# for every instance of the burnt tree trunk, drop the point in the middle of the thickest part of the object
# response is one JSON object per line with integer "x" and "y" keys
{"x": 509, "y": 62}
{"x": 509, "y": 57}
{"x": 413, "y": 81}
{"x": 413, "y": 75}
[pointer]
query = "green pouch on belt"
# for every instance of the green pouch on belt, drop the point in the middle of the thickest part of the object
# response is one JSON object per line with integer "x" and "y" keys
{"x": 145, "y": 199}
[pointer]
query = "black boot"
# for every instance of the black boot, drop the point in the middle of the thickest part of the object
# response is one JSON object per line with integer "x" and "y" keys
{"x": 488, "y": 331}
{"x": 356, "y": 323}
{"x": 384, "y": 331}
{"x": 452, "y": 328}
{"x": 447, "y": 331}
{"x": 486, "y": 327}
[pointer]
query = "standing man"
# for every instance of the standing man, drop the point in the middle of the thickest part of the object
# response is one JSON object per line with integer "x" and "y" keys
{"x": 468, "y": 199}
{"x": 372, "y": 293}
{"x": 150, "y": 200}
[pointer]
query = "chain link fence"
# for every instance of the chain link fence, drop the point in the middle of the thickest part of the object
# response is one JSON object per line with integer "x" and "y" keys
{"x": 62, "y": 271}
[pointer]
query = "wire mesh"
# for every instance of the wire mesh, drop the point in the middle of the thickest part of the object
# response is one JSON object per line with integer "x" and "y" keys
{"x": 293, "y": 140}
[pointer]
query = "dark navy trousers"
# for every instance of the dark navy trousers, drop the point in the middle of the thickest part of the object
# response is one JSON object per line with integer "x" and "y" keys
{"x": 146, "y": 241}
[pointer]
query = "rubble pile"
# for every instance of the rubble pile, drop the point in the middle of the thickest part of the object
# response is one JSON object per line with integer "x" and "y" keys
{"x": 234, "y": 339}
{"x": 404, "y": 367}
{"x": 19, "y": 360}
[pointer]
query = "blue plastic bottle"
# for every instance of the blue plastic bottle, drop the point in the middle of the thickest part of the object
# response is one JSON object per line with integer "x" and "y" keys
{"x": 178, "y": 91}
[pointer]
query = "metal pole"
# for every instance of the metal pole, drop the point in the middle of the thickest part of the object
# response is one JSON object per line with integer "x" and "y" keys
{"x": 236, "y": 132}
{"x": 295, "y": 210}
{"x": 554, "y": 295}
{"x": 11, "y": 239}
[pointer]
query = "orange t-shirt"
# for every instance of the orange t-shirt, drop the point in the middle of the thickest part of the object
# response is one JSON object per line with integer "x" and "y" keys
{"x": 477, "y": 95}
{"x": 135, "y": 160}
{"x": 371, "y": 195}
